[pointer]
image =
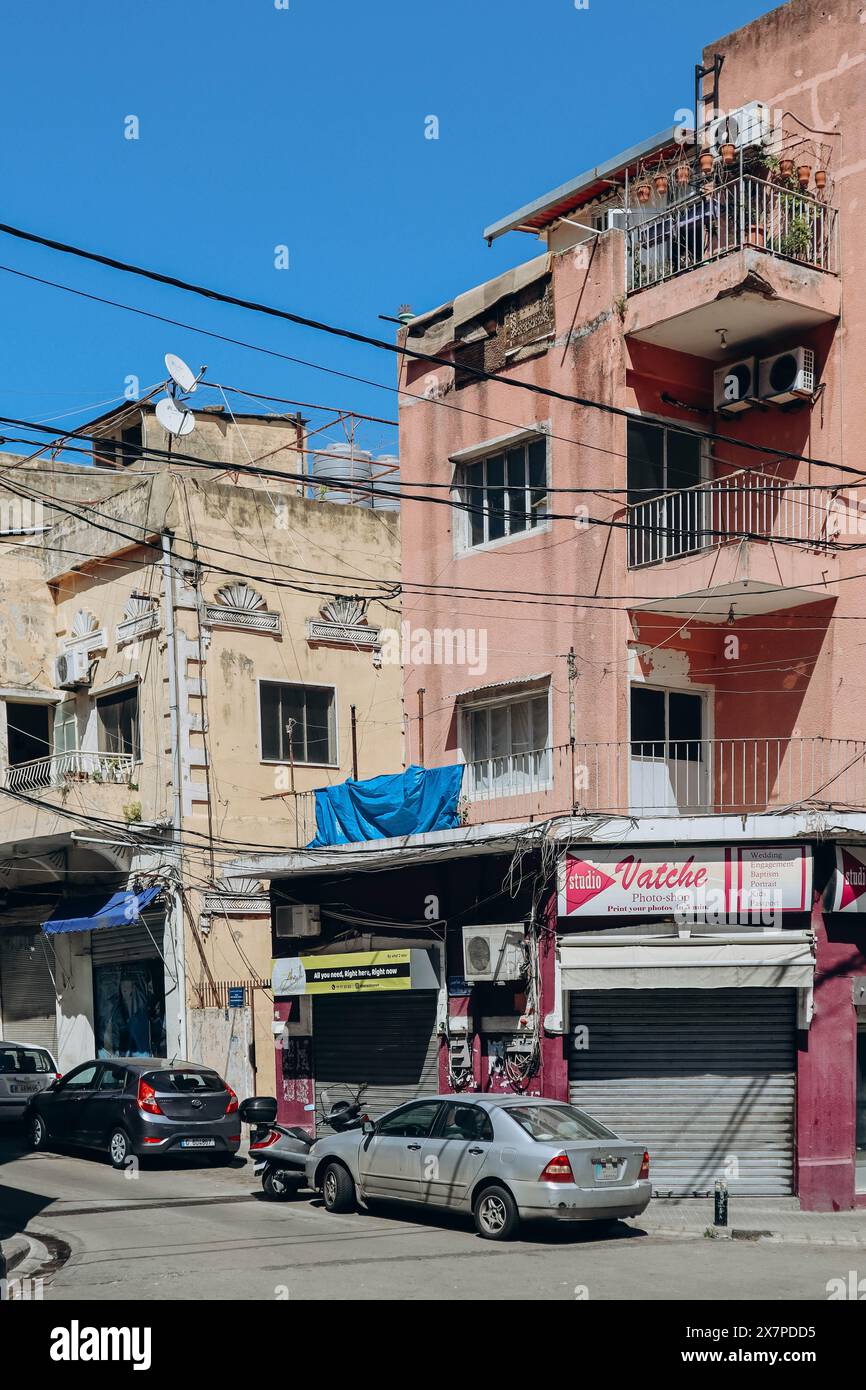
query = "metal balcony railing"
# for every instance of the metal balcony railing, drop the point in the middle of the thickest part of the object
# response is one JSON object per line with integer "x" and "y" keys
{"x": 673, "y": 777}
{"x": 62, "y": 768}
{"x": 748, "y": 211}
{"x": 739, "y": 506}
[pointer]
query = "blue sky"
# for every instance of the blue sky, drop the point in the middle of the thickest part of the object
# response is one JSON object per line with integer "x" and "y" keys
{"x": 302, "y": 127}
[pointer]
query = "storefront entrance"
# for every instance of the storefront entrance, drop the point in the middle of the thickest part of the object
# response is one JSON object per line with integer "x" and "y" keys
{"x": 129, "y": 991}
{"x": 29, "y": 1002}
{"x": 704, "y": 1077}
{"x": 386, "y": 1042}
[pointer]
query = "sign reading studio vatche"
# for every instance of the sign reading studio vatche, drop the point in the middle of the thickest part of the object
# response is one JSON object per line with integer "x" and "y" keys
{"x": 715, "y": 880}
{"x": 847, "y": 889}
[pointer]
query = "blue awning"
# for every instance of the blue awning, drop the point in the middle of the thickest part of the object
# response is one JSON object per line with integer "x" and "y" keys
{"x": 121, "y": 910}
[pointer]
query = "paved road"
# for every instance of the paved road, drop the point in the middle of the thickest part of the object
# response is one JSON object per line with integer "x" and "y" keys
{"x": 197, "y": 1232}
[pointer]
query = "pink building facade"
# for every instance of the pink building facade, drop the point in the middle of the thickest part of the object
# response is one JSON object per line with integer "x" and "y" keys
{"x": 638, "y": 624}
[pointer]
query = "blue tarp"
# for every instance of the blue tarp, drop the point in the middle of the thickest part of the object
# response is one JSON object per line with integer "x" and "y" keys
{"x": 121, "y": 910}
{"x": 379, "y": 808}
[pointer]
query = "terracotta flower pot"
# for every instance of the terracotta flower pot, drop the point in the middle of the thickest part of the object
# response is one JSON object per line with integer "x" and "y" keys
{"x": 820, "y": 178}
{"x": 706, "y": 162}
{"x": 661, "y": 183}
{"x": 756, "y": 236}
{"x": 644, "y": 192}
{"x": 786, "y": 168}
{"x": 804, "y": 173}
{"x": 728, "y": 152}
{"x": 682, "y": 174}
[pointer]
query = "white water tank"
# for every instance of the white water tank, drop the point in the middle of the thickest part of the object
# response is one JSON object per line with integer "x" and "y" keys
{"x": 386, "y": 483}
{"x": 342, "y": 463}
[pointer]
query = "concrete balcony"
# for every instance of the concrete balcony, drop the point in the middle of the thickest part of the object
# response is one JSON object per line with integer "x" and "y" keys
{"x": 713, "y": 776}
{"x": 768, "y": 254}
{"x": 64, "y": 768}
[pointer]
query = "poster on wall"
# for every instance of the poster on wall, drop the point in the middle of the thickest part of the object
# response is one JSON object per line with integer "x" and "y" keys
{"x": 129, "y": 1009}
{"x": 713, "y": 880}
{"x": 847, "y": 890}
{"x": 353, "y": 972}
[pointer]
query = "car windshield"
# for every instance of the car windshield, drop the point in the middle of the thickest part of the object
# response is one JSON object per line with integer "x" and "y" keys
{"x": 24, "y": 1059}
{"x": 555, "y": 1122}
{"x": 185, "y": 1083}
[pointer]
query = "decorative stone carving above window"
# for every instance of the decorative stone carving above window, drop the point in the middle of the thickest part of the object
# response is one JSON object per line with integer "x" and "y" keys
{"x": 343, "y": 623}
{"x": 239, "y": 606}
{"x": 140, "y": 616}
{"x": 85, "y": 632}
{"x": 239, "y": 896}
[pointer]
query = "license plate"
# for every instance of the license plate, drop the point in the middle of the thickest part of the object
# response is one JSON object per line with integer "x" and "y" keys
{"x": 606, "y": 1172}
{"x": 22, "y": 1087}
{"x": 198, "y": 1143}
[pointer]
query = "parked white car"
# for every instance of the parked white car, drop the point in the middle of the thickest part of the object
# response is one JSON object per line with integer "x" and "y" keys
{"x": 24, "y": 1070}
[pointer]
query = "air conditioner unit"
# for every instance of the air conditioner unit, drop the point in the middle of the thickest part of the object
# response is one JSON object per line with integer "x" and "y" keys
{"x": 494, "y": 953}
{"x": 735, "y": 386}
{"x": 789, "y": 376}
{"x": 746, "y": 125}
{"x": 297, "y": 919}
{"x": 72, "y": 669}
{"x": 607, "y": 219}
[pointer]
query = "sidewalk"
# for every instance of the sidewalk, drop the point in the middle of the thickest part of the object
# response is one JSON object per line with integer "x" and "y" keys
{"x": 756, "y": 1219}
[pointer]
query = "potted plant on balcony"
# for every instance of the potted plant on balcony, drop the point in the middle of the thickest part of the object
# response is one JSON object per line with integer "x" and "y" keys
{"x": 804, "y": 173}
{"x": 661, "y": 184}
{"x": 682, "y": 173}
{"x": 820, "y": 179}
{"x": 728, "y": 151}
{"x": 643, "y": 192}
{"x": 796, "y": 241}
{"x": 786, "y": 166}
{"x": 706, "y": 161}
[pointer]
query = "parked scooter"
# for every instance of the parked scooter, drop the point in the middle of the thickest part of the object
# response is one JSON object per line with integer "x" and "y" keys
{"x": 280, "y": 1151}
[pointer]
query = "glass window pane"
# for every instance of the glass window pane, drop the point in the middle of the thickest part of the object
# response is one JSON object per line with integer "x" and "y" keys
{"x": 479, "y": 735}
{"x": 537, "y": 454}
{"x": 684, "y": 460}
{"x": 647, "y": 722}
{"x": 685, "y": 726}
{"x": 474, "y": 491}
{"x": 539, "y": 722}
{"x": 500, "y": 738}
{"x": 270, "y": 705}
{"x": 645, "y": 461}
{"x": 496, "y": 497}
{"x": 318, "y": 726}
{"x": 521, "y": 728}
{"x": 516, "y": 475}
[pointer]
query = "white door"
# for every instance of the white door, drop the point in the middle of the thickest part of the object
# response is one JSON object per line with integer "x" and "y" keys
{"x": 669, "y": 765}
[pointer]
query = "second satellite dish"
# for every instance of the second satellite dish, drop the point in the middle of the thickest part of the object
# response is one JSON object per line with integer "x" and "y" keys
{"x": 173, "y": 419}
{"x": 180, "y": 372}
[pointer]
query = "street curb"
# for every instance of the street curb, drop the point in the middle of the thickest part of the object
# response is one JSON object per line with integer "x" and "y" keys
{"x": 756, "y": 1234}
{"x": 13, "y": 1252}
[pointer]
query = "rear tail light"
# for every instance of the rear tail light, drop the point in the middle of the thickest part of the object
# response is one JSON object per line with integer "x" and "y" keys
{"x": 147, "y": 1098}
{"x": 266, "y": 1142}
{"x": 58, "y": 1076}
{"x": 558, "y": 1170}
{"x": 644, "y": 1166}
{"x": 233, "y": 1101}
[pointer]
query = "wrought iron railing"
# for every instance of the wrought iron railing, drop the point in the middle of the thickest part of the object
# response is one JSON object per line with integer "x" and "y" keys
{"x": 748, "y": 211}
{"x": 740, "y": 506}
{"x": 75, "y": 766}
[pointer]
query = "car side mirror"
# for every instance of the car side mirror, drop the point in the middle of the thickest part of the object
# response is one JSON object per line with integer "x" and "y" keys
{"x": 367, "y": 1125}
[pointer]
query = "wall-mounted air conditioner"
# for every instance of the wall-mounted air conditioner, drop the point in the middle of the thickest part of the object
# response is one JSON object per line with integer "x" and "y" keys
{"x": 746, "y": 125}
{"x": 297, "y": 919}
{"x": 72, "y": 669}
{"x": 789, "y": 376}
{"x": 494, "y": 952}
{"x": 605, "y": 219}
{"x": 735, "y": 386}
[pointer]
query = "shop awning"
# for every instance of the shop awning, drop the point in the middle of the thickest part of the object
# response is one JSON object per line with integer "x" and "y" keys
{"x": 121, "y": 910}
{"x": 749, "y": 961}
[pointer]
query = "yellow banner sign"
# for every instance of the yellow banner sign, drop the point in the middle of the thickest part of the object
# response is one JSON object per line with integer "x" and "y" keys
{"x": 353, "y": 973}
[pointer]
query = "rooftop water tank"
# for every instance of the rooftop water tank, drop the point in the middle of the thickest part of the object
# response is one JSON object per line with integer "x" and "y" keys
{"x": 386, "y": 483}
{"x": 342, "y": 463}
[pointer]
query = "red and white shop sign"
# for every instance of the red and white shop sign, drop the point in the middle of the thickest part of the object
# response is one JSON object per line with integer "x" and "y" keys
{"x": 658, "y": 882}
{"x": 849, "y": 883}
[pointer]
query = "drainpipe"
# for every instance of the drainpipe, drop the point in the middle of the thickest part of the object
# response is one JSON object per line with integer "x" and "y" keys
{"x": 177, "y": 782}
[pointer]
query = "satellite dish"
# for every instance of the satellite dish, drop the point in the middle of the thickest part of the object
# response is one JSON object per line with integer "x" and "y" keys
{"x": 180, "y": 372}
{"x": 173, "y": 419}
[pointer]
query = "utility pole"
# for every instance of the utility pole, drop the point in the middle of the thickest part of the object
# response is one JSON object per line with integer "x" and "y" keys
{"x": 572, "y": 677}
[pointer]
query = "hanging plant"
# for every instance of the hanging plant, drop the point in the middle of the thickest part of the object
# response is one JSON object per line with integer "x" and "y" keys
{"x": 706, "y": 161}
{"x": 682, "y": 174}
{"x": 786, "y": 167}
{"x": 661, "y": 183}
{"x": 728, "y": 152}
{"x": 820, "y": 178}
{"x": 644, "y": 192}
{"x": 804, "y": 173}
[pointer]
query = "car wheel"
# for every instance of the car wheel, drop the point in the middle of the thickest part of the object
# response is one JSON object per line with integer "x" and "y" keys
{"x": 338, "y": 1190}
{"x": 496, "y": 1215}
{"x": 118, "y": 1148}
{"x": 278, "y": 1186}
{"x": 37, "y": 1132}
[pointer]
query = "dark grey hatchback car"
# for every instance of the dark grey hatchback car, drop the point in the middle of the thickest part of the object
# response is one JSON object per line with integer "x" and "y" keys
{"x": 138, "y": 1105}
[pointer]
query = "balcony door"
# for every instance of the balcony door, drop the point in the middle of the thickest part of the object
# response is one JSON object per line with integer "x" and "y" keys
{"x": 669, "y": 765}
{"x": 28, "y": 744}
{"x": 668, "y": 514}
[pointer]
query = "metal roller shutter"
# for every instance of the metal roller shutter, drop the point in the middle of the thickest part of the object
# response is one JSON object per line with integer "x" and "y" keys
{"x": 118, "y": 945}
{"x": 702, "y": 1077}
{"x": 27, "y": 991}
{"x": 386, "y": 1040}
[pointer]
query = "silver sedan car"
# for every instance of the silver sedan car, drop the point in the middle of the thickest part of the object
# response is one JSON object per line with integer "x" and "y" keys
{"x": 504, "y": 1158}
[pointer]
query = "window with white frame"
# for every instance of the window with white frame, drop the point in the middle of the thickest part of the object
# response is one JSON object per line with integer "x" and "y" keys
{"x": 507, "y": 746}
{"x": 65, "y": 727}
{"x": 299, "y": 723}
{"x": 505, "y": 492}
